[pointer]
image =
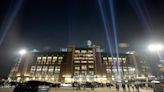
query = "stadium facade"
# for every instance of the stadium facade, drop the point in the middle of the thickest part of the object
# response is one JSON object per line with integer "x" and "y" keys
{"x": 77, "y": 64}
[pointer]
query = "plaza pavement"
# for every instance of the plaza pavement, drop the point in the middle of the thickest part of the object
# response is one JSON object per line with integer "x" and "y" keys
{"x": 82, "y": 90}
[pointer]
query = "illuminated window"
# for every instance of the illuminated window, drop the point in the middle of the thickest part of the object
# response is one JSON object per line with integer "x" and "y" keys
{"x": 44, "y": 70}
{"x": 76, "y": 61}
{"x": 124, "y": 59}
{"x": 104, "y": 58}
{"x": 60, "y": 57}
{"x": 77, "y": 67}
{"x": 43, "y": 60}
{"x": 76, "y": 72}
{"x": 54, "y": 59}
{"x": 106, "y": 62}
{"x": 83, "y": 61}
{"x": 90, "y": 58}
{"x": 110, "y": 58}
{"x": 39, "y": 60}
{"x": 33, "y": 67}
{"x": 114, "y": 58}
{"x": 33, "y": 70}
{"x": 108, "y": 70}
{"x": 90, "y": 51}
{"x": 49, "y": 60}
{"x": 91, "y": 72}
{"x": 57, "y": 69}
{"x": 84, "y": 67}
{"x": 38, "y": 70}
{"x": 89, "y": 55}
{"x": 90, "y": 61}
{"x": 90, "y": 66}
{"x": 114, "y": 70}
{"x": 84, "y": 72}
{"x": 38, "y": 57}
{"x": 59, "y": 61}
{"x": 77, "y": 51}
{"x": 83, "y": 51}
{"x": 50, "y": 70}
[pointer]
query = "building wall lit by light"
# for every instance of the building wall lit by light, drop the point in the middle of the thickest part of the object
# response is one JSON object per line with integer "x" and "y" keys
{"x": 77, "y": 64}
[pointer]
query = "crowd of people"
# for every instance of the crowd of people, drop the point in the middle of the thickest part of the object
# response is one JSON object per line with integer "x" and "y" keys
{"x": 131, "y": 87}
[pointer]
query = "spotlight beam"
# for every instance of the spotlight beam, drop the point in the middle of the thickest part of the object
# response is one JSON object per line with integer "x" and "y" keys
{"x": 105, "y": 26}
{"x": 111, "y": 6}
{"x": 141, "y": 13}
{"x": 10, "y": 16}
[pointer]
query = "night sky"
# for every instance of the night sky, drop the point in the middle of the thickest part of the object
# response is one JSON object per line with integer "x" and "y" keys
{"x": 48, "y": 25}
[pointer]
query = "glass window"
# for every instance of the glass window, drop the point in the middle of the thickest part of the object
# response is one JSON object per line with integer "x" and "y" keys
{"x": 124, "y": 59}
{"x": 108, "y": 70}
{"x": 84, "y": 67}
{"x": 83, "y": 61}
{"x": 49, "y": 60}
{"x": 91, "y": 72}
{"x": 43, "y": 60}
{"x": 77, "y": 67}
{"x": 32, "y": 71}
{"x": 60, "y": 57}
{"x": 59, "y": 61}
{"x": 76, "y": 72}
{"x": 90, "y": 51}
{"x": 77, "y": 51}
{"x": 90, "y": 62}
{"x": 83, "y": 51}
{"x": 84, "y": 72}
{"x": 44, "y": 57}
{"x": 39, "y": 68}
{"x": 39, "y": 60}
{"x": 54, "y": 57}
{"x": 110, "y": 58}
{"x": 89, "y": 55}
{"x": 33, "y": 67}
{"x": 44, "y": 71}
{"x": 104, "y": 58}
{"x": 38, "y": 57}
{"x": 38, "y": 71}
{"x": 90, "y": 66}
{"x": 50, "y": 70}
{"x": 76, "y": 61}
{"x": 57, "y": 69}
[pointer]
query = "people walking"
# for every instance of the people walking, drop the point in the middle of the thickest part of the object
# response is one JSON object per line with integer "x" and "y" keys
{"x": 137, "y": 87}
{"x": 123, "y": 87}
{"x": 117, "y": 87}
{"x": 133, "y": 87}
{"x": 128, "y": 85}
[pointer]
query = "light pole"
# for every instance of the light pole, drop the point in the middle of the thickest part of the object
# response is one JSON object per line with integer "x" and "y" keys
{"x": 14, "y": 71}
{"x": 155, "y": 49}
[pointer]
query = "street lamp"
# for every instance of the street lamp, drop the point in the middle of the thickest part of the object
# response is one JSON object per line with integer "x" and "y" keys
{"x": 155, "y": 47}
{"x": 22, "y": 52}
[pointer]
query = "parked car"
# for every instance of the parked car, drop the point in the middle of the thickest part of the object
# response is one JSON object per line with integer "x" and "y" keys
{"x": 32, "y": 86}
{"x": 109, "y": 85}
